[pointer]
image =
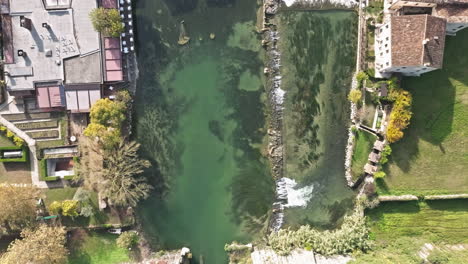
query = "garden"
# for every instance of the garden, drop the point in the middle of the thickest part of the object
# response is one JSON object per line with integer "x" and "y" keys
{"x": 432, "y": 156}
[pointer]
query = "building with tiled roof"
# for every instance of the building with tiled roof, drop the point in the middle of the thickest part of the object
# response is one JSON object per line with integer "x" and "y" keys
{"x": 411, "y": 40}
{"x": 410, "y": 45}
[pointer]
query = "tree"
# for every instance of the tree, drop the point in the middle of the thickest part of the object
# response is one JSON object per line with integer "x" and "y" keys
{"x": 107, "y": 136}
{"x": 355, "y": 96}
{"x": 107, "y": 21}
{"x": 17, "y": 206}
{"x": 123, "y": 184}
{"x": 70, "y": 208}
{"x": 43, "y": 245}
{"x": 127, "y": 240}
{"x": 108, "y": 113}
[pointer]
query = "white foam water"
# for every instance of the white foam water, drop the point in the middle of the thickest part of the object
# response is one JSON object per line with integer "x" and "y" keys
{"x": 287, "y": 196}
{"x": 296, "y": 197}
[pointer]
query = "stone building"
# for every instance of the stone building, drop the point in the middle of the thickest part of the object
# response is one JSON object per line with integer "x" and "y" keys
{"x": 411, "y": 39}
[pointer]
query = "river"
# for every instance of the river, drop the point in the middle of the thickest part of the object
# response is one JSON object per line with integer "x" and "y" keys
{"x": 200, "y": 117}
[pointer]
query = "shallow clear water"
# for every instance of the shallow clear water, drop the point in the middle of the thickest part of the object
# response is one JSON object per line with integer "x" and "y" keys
{"x": 200, "y": 121}
{"x": 318, "y": 57}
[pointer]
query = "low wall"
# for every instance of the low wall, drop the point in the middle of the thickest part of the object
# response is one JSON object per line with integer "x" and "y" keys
{"x": 409, "y": 197}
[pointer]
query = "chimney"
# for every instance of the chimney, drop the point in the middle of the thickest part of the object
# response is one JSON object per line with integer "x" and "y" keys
{"x": 425, "y": 41}
{"x": 436, "y": 37}
{"x": 22, "y": 53}
{"x": 25, "y": 22}
{"x": 45, "y": 25}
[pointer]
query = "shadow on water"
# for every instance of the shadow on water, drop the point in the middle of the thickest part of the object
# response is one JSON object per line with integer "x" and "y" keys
{"x": 199, "y": 128}
{"x": 318, "y": 61}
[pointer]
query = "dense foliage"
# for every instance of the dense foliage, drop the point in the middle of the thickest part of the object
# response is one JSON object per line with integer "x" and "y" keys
{"x": 107, "y": 117}
{"x": 401, "y": 112}
{"x": 17, "y": 206}
{"x": 351, "y": 236}
{"x": 355, "y": 96}
{"x": 17, "y": 140}
{"x": 127, "y": 240}
{"x": 122, "y": 182}
{"x": 107, "y": 21}
{"x": 43, "y": 245}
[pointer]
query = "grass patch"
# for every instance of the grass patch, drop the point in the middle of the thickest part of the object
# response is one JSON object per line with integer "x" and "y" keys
{"x": 95, "y": 247}
{"x": 400, "y": 229}
{"x": 436, "y": 221}
{"x": 59, "y": 194}
{"x": 433, "y": 155}
{"x": 363, "y": 146}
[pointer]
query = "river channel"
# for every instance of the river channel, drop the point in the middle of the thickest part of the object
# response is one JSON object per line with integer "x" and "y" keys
{"x": 201, "y": 119}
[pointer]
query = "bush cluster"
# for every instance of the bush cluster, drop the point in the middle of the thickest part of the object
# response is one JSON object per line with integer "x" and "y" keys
{"x": 351, "y": 236}
{"x": 107, "y": 21}
{"x": 401, "y": 112}
{"x": 17, "y": 140}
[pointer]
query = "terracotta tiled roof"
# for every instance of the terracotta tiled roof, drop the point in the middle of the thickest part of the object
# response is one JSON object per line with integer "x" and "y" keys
{"x": 453, "y": 13}
{"x": 408, "y": 35}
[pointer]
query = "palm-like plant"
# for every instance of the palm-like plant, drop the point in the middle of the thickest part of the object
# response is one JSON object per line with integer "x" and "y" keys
{"x": 123, "y": 184}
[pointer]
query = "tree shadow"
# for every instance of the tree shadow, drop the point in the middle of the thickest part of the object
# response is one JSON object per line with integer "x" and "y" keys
{"x": 433, "y": 104}
{"x": 378, "y": 213}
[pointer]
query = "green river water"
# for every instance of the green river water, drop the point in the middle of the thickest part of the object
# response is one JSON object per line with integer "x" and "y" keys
{"x": 200, "y": 117}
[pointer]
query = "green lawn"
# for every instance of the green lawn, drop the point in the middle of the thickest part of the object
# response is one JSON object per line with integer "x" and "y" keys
{"x": 99, "y": 218}
{"x": 59, "y": 194}
{"x": 363, "y": 146}
{"x": 400, "y": 229}
{"x": 433, "y": 155}
{"x": 95, "y": 247}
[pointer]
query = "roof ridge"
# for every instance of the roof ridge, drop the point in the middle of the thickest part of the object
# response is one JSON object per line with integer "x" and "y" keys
{"x": 424, "y": 38}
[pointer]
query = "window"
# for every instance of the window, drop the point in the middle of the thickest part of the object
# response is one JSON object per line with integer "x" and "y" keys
{"x": 381, "y": 53}
{"x": 386, "y": 38}
{"x": 387, "y": 63}
{"x": 460, "y": 26}
{"x": 403, "y": 67}
{"x": 424, "y": 69}
{"x": 386, "y": 26}
{"x": 386, "y": 45}
{"x": 387, "y": 51}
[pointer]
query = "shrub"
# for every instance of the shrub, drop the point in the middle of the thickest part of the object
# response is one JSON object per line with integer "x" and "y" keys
{"x": 87, "y": 211}
{"x": 18, "y": 141}
{"x": 351, "y": 236}
{"x": 387, "y": 150}
{"x": 380, "y": 175}
{"x": 55, "y": 208}
{"x": 401, "y": 113}
{"x": 107, "y": 21}
{"x": 361, "y": 76}
{"x": 127, "y": 240}
{"x": 10, "y": 134}
{"x": 70, "y": 208}
{"x": 355, "y": 96}
{"x": 3, "y": 128}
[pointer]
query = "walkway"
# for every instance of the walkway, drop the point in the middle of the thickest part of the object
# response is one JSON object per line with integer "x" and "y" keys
{"x": 32, "y": 156}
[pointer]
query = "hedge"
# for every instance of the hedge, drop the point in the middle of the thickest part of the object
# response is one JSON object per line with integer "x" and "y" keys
{"x": 43, "y": 172}
{"x": 24, "y": 158}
